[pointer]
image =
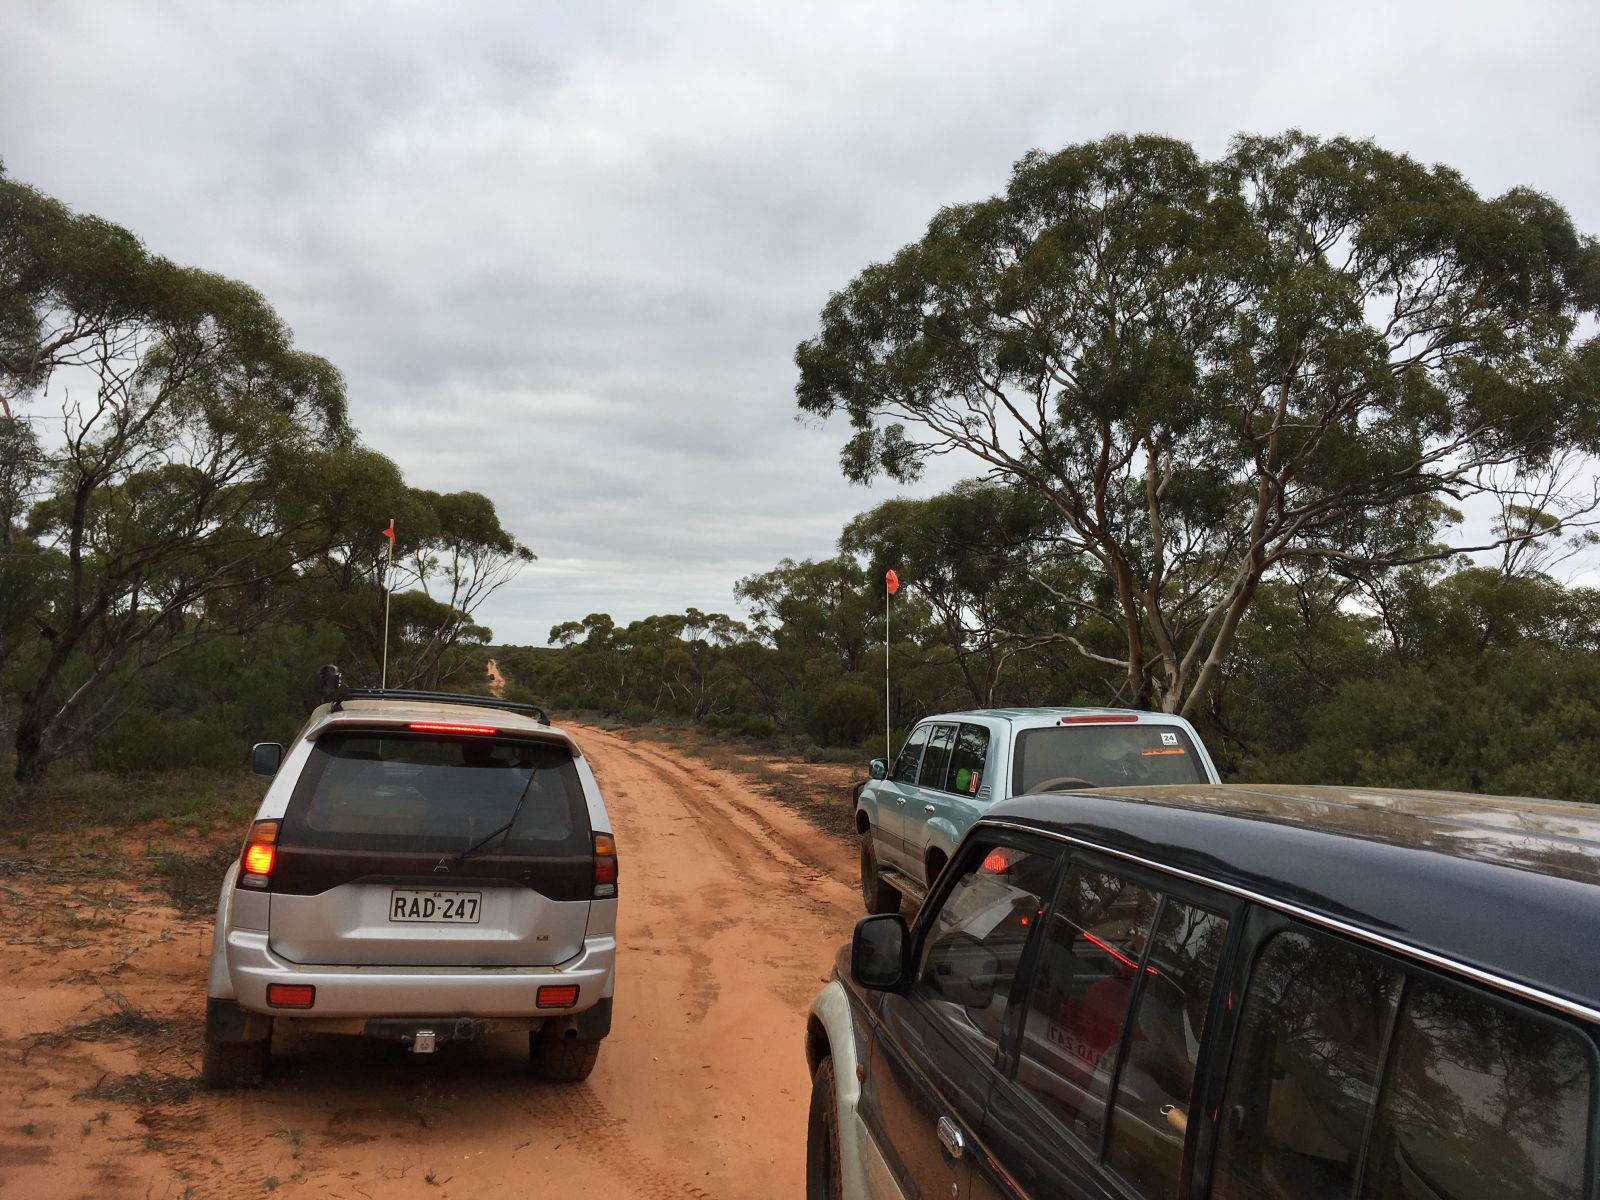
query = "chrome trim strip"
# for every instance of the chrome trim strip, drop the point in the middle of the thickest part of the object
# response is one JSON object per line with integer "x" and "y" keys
{"x": 1572, "y": 1008}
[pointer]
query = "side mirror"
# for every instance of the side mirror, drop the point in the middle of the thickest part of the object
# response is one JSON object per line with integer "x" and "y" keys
{"x": 878, "y": 953}
{"x": 266, "y": 758}
{"x": 878, "y": 769}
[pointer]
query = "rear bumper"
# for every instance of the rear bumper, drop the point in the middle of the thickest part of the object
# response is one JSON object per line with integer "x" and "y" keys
{"x": 416, "y": 991}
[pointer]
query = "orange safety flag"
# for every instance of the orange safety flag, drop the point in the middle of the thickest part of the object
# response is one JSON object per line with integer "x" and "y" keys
{"x": 389, "y": 533}
{"x": 891, "y": 581}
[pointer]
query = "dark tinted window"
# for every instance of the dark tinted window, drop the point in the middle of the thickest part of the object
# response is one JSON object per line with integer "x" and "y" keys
{"x": 1079, "y": 998}
{"x": 905, "y": 767}
{"x": 1104, "y": 756}
{"x": 936, "y": 759}
{"x": 1150, "y": 1115}
{"x": 1482, "y": 1101}
{"x": 967, "y": 763}
{"x": 386, "y": 790}
{"x": 976, "y": 939}
{"x": 1304, "y": 1076}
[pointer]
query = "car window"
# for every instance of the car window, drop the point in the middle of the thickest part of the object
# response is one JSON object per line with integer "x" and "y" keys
{"x": 1104, "y": 756}
{"x": 1304, "y": 1077}
{"x": 975, "y": 941}
{"x": 936, "y": 758}
{"x": 395, "y": 790}
{"x": 1150, "y": 1114}
{"x": 1482, "y": 1101}
{"x": 905, "y": 767}
{"x": 968, "y": 759}
{"x": 1087, "y": 966}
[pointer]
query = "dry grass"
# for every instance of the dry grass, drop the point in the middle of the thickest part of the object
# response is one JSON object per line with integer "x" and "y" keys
{"x": 813, "y": 786}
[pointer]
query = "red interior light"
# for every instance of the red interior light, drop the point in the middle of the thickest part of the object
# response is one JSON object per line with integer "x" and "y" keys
{"x": 446, "y": 727}
{"x": 996, "y": 862}
{"x": 290, "y": 995}
{"x": 557, "y": 997}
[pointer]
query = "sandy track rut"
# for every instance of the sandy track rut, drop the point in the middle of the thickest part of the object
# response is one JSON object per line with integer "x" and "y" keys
{"x": 732, "y": 909}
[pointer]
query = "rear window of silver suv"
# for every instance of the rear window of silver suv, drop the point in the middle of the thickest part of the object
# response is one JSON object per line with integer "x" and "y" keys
{"x": 367, "y": 789}
{"x": 1120, "y": 755}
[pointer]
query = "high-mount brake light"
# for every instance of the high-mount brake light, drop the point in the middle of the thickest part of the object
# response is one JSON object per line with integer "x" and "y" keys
{"x": 260, "y": 850}
{"x": 447, "y": 727}
{"x": 1099, "y": 718}
{"x": 605, "y": 866}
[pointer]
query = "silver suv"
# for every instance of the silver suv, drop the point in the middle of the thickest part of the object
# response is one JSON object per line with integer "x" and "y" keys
{"x": 425, "y": 868}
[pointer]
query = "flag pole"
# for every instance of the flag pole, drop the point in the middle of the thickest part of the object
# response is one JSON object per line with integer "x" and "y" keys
{"x": 891, "y": 584}
{"x": 388, "y": 577}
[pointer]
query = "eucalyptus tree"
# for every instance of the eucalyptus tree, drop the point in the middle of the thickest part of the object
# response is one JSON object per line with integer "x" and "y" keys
{"x": 174, "y": 492}
{"x": 1306, "y": 352}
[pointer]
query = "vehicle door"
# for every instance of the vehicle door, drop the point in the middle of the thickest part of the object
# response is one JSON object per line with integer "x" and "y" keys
{"x": 924, "y": 801}
{"x": 894, "y": 797}
{"x": 1357, "y": 1074}
{"x": 935, "y": 1051}
{"x": 1119, "y": 1016}
{"x": 948, "y": 811}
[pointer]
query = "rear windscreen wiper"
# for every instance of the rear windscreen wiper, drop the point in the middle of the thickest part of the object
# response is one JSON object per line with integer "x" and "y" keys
{"x": 506, "y": 828}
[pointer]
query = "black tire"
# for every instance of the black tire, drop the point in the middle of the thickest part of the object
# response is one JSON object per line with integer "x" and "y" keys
{"x": 562, "y": 1059}
{"x": 234, "y": 1064}
{"x": 824, "y": 1168}
{"x": 878, "y": 896}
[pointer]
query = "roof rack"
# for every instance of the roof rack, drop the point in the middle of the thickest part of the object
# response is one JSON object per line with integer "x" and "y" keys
{"x": 355, "y": 693}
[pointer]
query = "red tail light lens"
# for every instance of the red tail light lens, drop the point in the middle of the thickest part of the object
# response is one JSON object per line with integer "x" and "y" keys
{"x": 290, "y": 995}
{"x": 260, "y": 850}
{"x": 557, "y": 997}
{"x": 605, "y": 866}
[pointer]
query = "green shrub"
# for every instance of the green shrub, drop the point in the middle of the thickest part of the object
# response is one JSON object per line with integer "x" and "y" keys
{"x": 844, "y": 713}
{"x": 142, "y": 741}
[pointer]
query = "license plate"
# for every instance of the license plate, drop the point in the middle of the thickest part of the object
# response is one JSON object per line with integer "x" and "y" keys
{"x": 434, "y": 908}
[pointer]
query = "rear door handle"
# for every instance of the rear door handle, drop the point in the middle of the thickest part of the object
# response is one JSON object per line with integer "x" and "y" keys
{"x": 901, "y": 801}
{"x": 929, "y": 809}
{"x": 950, "y": 1137}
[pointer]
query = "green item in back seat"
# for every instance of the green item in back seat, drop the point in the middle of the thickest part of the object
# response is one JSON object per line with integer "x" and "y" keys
{"x": 964, "y": 779}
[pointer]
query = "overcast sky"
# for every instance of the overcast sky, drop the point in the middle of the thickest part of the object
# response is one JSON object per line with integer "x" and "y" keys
{"x": 563, "y": 256}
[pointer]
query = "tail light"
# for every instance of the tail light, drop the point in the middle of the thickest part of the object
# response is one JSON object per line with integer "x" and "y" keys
{"x": 260, "y": 850}
{"x": 605, "y": 866}
{"x": 557, "y": 997}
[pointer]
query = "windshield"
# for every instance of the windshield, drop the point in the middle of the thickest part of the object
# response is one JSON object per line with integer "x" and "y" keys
{"x": 394, "y": 790}
{"x": 1104, "y": 756}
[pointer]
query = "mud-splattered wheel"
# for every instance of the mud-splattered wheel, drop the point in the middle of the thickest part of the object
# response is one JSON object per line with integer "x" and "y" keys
{"x": 878, "y": 896}
{"x": 824, "y": 1170}
{"x": 562, "y": 1059}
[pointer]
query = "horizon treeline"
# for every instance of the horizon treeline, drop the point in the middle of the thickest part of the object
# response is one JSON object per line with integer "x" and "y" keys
{"x": 1450, "y": 676}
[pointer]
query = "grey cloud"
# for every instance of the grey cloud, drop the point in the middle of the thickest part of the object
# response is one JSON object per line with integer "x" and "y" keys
{"x": 564, "y": 256}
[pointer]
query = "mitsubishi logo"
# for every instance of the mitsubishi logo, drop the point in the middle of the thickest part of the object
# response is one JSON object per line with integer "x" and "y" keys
{"x": 443, "y": 868}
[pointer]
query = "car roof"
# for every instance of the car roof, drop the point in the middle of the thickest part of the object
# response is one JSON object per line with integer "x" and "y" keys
{"x": 369, "y": 711}
{"x": 1507, "y": 886}
{"x": 1051, "y": 716}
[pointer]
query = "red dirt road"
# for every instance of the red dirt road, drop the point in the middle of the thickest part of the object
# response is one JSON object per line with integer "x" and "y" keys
{"x": 732, "y": 909}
